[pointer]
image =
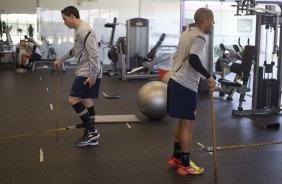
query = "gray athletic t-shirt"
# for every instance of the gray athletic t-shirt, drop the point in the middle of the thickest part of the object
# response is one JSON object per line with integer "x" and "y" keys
{"x": 192, "y": 41}
{"x": 85, "y": 50}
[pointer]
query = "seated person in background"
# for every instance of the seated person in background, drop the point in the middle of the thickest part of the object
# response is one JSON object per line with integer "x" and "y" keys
{"x": 32, "y": 54}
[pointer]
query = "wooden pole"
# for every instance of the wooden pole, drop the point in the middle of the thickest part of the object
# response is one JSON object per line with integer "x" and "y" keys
{"x": 57, "y": 100}
{"x": 213, "y": 136}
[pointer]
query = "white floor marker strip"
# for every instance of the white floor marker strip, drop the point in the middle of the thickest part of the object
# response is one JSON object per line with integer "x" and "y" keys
{"x": 201, "y": 145}
{"x": 128, "y": 118}
{"x": 41, "y": 156}
{"x": 47, "y": 89}
{"x": 128, "y": 125}
{"x": 40, "y": 78}
{"x": 51, "y": 107}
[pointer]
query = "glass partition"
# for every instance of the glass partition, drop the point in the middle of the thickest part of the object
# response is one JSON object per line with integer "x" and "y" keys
{"x": 165, "y": 16}
{"x": 228, "y": 28}
{"x": 98, "y": 13}
{"x": 19, "y": 24}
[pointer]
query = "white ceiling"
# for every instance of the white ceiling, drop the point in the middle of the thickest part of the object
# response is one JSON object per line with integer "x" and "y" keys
{"x": 29, "y": 6}
{"x": 17, "y": 6}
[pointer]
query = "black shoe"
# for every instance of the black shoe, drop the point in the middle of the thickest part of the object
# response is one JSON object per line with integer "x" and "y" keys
{"x": 88, "y": 137}
{"x": 86, "y": 132}
{"x": 91, "y": 143}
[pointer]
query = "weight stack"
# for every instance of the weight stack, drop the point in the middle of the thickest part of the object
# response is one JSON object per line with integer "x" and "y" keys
{"x": 268, "y": 92}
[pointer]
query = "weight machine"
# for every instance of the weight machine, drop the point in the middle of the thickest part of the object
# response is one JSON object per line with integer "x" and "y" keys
{"x": 6, "y": 43}
{"x": 135, "y": 61}
{"x": 112, "y": 52}
{"x": 266, "y": 89}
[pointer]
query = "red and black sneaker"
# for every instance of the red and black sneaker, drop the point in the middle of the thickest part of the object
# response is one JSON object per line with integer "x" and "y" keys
{"x": 191, "y": 169}
{"x": 173, "y": 162}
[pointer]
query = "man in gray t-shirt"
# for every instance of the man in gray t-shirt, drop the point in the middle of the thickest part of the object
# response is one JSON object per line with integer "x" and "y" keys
{"x": 183, "y": 86}
{"x": 88, "y": 73}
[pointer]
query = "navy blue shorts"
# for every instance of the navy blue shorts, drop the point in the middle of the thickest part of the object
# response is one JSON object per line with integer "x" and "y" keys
{"x": 181, "y": 101}
{"x": 83, "y": 91}
{"x": 34, "y": 57}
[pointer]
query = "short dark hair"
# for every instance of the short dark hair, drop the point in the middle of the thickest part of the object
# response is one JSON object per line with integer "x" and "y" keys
{"x": 202, "y": 14}
{"x": 71, "y": 10}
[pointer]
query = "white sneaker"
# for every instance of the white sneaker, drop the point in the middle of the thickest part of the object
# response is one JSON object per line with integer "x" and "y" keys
{"x": 21, "y": 70}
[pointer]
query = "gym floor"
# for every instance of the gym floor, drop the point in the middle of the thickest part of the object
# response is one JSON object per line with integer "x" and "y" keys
{"x": 134, "y": 153}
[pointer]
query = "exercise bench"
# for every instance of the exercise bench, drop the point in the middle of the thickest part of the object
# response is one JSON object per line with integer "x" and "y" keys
{"x": 243, "y": 72}
{"x": 45, "y": 61}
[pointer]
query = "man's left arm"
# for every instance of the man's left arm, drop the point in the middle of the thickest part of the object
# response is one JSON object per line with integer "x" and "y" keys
{"x": 196, "y": 63}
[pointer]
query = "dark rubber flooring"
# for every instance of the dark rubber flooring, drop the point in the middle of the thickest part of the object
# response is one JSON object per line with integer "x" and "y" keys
{"x": 136, "y": 155}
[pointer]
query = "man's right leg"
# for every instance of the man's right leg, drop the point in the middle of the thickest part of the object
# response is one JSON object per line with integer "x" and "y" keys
{"x": 89, "y": 104}
{"x": 174, "y": 160}
{"x": 186, "y": 133}
{"x": 82, "y": 112}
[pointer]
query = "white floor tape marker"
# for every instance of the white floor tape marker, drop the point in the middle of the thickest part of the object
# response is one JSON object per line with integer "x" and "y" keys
{"x": 41, "y": 157}
{"x": 116, "y": 118}
{"x": 128, "y": 125}
{"x": 201, "y": 145}
{"x": 51, "y": 107}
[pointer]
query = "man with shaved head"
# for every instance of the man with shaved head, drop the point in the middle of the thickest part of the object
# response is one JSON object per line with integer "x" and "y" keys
{"x": 183, "y": 86}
